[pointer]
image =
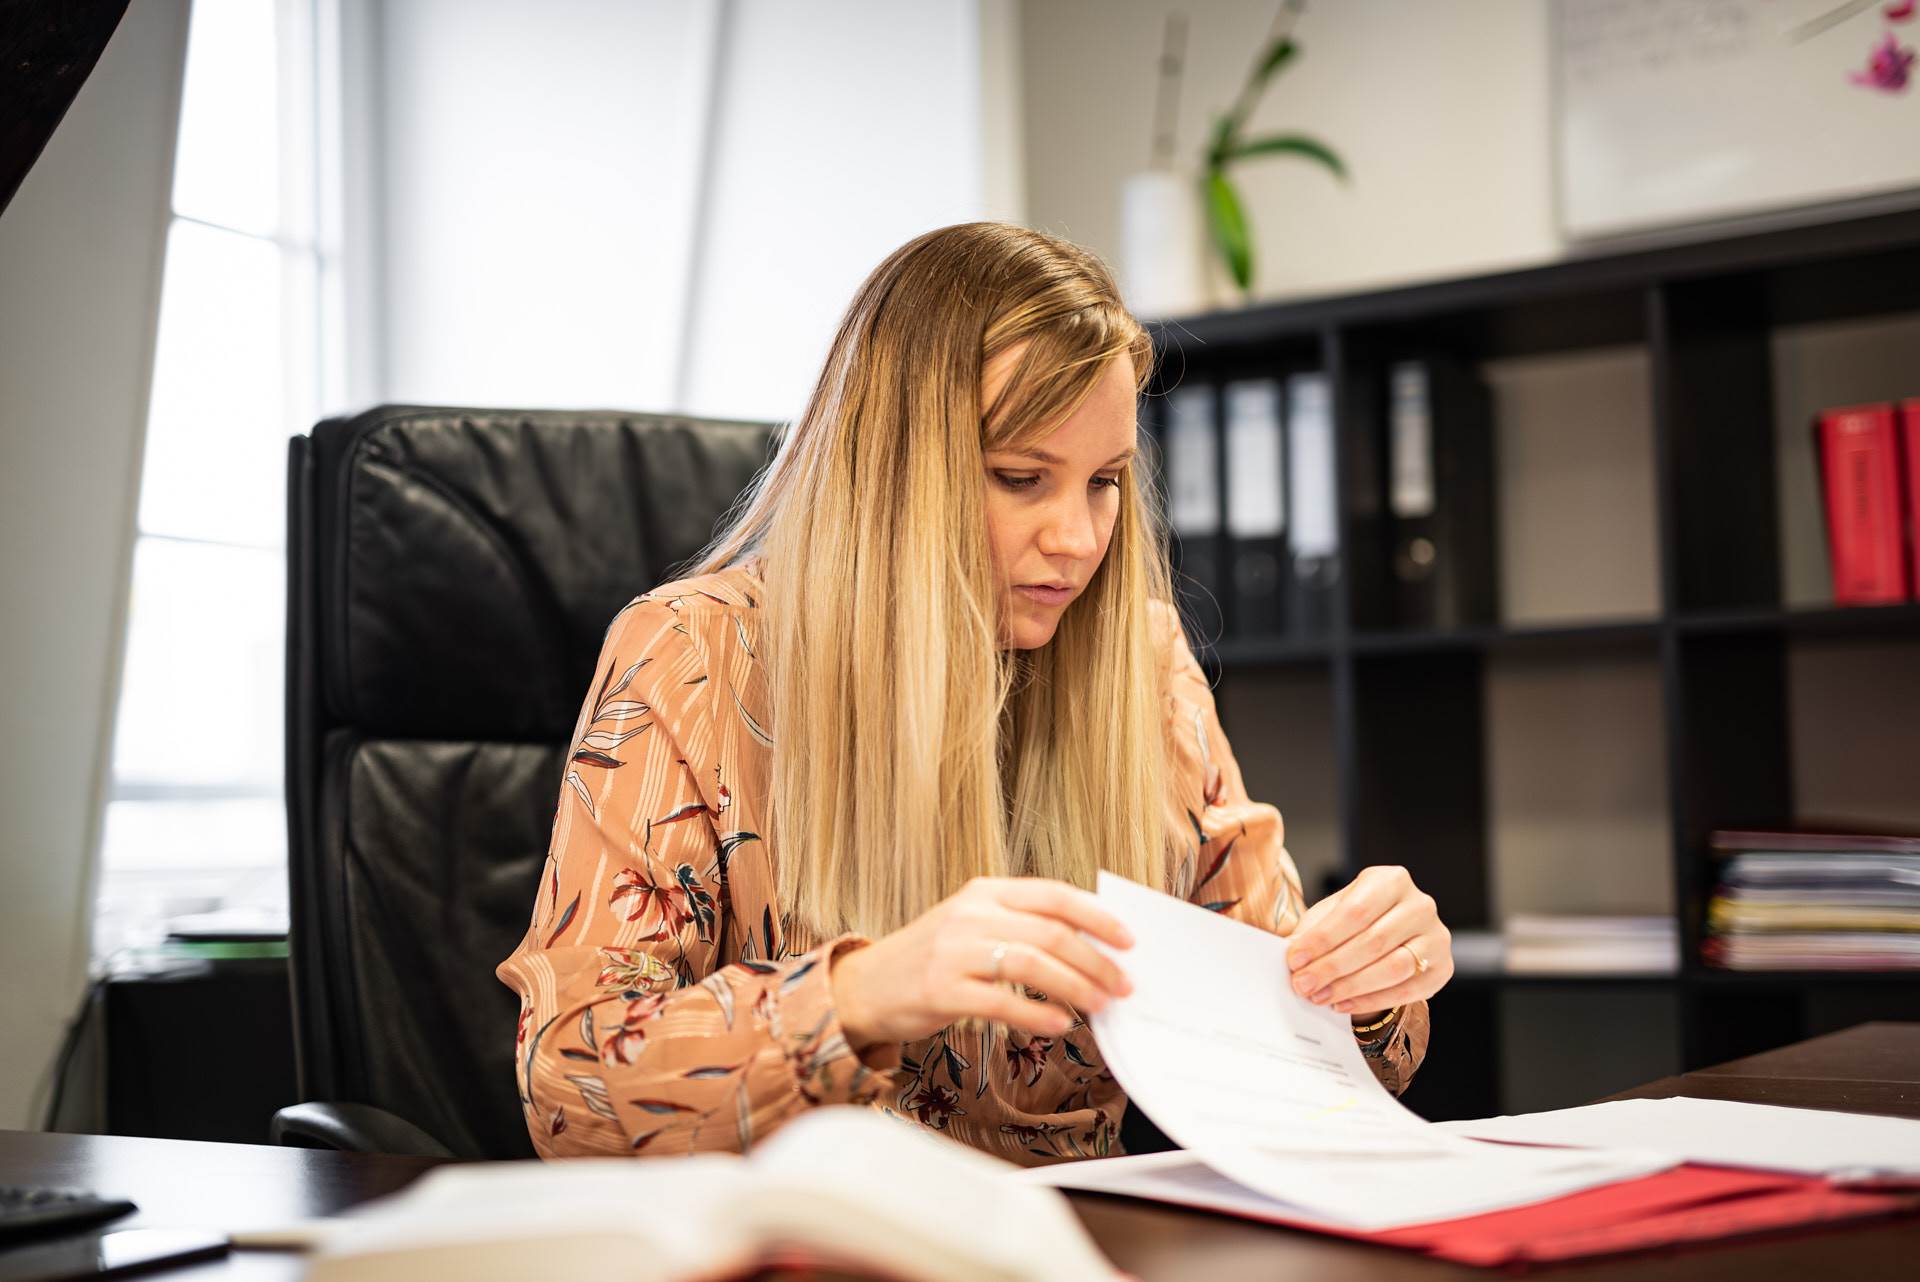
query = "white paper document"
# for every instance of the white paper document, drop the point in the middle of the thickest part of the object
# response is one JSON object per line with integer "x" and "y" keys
{"x": 1260, "y": 1085}
{"x": 1845, "y": 1146}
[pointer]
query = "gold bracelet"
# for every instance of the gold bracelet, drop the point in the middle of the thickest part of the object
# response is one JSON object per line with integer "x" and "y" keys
{"x": 1377, "y": 1024}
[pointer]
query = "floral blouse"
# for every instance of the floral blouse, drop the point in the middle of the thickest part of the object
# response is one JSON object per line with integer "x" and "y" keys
{"x": 669, "y": 1004}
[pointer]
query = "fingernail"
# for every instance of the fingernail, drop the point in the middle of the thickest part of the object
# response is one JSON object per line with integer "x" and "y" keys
{"x": 1296, "y": 960}
{"x": 1343, "y": 1006}
{"x": 1304, "y": 983}
{"x": 1321, "y": 996}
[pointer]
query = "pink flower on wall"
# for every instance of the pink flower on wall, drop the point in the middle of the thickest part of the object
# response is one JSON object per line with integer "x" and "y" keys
{"x": 1887, "y": 66}
{"x": 1900, "y": 11}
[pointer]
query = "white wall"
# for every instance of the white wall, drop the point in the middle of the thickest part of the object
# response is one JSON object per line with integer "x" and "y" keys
{"x": 535, "y": 189}
{"x": 668, "y": 205}
{"x": 843, "y": 131}
{"x": 1440, "y": 109}
{"x": 80, "y": 256}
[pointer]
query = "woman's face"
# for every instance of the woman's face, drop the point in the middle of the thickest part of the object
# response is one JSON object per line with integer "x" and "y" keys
{"x": 1051, "y": 508}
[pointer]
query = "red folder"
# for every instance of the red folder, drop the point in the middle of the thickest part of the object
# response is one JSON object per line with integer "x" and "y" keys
{"x": 1860, "y": 466}
{"x": 1910, "y": 444}
{"x": 1690, "y": 1203}
{"x": 1686, "y": 1205}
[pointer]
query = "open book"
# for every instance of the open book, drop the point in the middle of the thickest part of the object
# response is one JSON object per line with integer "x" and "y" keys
{"x": 845, "y": 1188}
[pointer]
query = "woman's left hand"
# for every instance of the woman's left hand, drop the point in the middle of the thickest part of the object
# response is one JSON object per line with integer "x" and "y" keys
{"x": 1360, "y": 949}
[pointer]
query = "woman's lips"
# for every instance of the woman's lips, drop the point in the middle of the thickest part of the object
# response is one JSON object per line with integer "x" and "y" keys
{"x": 1047, "y": 596}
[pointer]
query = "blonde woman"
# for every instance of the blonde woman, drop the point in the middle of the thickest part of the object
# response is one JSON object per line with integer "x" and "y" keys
{"x": 836, "y": 796}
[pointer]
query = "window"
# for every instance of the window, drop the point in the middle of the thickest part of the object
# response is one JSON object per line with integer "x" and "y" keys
{"x": 248, "y": 352}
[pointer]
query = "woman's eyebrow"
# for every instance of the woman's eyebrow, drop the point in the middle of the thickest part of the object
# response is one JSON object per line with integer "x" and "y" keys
{"x": 1045, "y": 457}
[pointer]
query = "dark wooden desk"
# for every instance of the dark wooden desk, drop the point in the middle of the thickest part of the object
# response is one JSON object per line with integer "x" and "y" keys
{"x": 1871, "y": 1068}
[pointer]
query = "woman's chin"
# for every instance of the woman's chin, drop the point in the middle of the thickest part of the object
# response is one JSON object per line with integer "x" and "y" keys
{"x": 1031, "y": 634}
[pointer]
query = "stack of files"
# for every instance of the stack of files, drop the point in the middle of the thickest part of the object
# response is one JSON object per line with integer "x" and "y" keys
{"x": 1815, "y": 901}
{"x": 1281, "y": 1120}
{"x": 1557, "y": 944}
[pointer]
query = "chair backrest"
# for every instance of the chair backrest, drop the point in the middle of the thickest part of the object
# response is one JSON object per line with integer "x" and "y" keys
{"x": 451, "y": 575}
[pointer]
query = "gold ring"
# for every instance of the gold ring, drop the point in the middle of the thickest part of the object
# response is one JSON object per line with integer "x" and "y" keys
{"x": 999, "y": 956}
{"x": 1419, "y": 962}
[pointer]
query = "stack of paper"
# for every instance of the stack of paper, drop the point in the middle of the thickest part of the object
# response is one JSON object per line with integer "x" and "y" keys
{"x": 1272, "y": 1099}
{"x": 1848, "y": 1148}
{"x": 1793, "y": 901}
{"x": 1548, "y": 943}
{"x": 1281, "y": 1121}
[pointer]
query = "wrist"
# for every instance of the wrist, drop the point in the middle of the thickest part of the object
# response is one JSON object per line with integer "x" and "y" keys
{"x": 1374, "y": 1021}
{"x": 843, "y": 977}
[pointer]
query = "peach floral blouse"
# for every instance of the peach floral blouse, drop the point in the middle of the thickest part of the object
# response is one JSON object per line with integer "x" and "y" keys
{"x": 668, "y": 1004}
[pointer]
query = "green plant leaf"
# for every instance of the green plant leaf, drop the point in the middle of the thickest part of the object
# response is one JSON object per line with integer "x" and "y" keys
{"x": 1221, "y": 145}
{"x": 1228, "y": 222}
{"x": 1290, "y": 144}
{"x": 1277, "y": 57}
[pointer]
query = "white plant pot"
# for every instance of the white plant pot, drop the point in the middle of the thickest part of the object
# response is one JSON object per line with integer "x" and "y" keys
{"x": 1162, "y": 245}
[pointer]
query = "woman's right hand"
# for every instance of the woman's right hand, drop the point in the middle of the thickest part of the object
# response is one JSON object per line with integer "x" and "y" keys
{"x": 939, "y": 967}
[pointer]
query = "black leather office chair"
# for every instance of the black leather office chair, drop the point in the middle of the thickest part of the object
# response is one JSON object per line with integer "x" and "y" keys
{"x": 451, "y": 575}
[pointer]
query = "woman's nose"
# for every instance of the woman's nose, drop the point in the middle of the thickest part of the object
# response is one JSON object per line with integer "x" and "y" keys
{"x": 1069, "y": 531}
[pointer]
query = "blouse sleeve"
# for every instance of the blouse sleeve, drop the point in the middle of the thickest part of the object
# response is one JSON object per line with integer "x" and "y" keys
{"x": 631, "y": 1039}
{"x": 1234, "y": 860}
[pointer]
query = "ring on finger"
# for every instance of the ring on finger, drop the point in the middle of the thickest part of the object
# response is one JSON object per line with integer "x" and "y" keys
{"x": 999, "y": 958}
{"x": 1420, "y": 963}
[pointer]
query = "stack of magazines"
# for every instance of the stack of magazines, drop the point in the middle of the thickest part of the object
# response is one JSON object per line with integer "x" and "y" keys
{"x": 1815, "y": 901}
{"x": 1555, "y": 943}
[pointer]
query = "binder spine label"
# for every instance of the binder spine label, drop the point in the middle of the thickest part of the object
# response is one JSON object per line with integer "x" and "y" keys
{"x": 1315, "y": 530}
{"x": 1412, "y": 490}
{"x": 1256, "y": 504}
{"x": 1193, "y": 494}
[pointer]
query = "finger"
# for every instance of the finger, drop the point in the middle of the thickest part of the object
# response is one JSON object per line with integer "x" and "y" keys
{"x": 1344, "y": 963}
{"x": 1052, "y": 936}
{"x": 1343, "y": 914}
{"x": 1414, "y": 986}
{"x": 1396, "y": 967}
{"x": 1072, "y": 905}
{"x": 1038, "y": 969}
{"x": 1397, "y": 995}
{"x": 993, "y": 1001}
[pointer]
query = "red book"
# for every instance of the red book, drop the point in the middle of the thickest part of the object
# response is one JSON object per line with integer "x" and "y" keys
{"x": 1910, "y": 441}
{"x": 1860, "y": 465}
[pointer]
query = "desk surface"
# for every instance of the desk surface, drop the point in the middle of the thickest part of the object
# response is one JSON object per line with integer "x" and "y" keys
{"x": 225, "y": 1187}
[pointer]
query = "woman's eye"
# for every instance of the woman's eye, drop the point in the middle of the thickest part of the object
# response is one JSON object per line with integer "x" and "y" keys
{"x": 1017, "y": 482}
{"x": 1107, "y": 482}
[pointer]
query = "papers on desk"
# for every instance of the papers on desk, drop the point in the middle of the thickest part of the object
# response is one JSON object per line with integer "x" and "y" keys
{"x": 1270, "y": 1091}
{"x": 1845, "y": 1147}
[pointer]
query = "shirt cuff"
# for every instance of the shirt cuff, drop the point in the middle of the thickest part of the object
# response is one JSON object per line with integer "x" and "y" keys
{"x": 826, "y": 1067}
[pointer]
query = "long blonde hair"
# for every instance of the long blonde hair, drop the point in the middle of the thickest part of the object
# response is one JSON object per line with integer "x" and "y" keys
{"x": 911, "y": 752}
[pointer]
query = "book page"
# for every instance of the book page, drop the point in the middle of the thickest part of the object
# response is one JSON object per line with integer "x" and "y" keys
{"x": 843, "y": 1185}
{"x": 850, "y": 1182}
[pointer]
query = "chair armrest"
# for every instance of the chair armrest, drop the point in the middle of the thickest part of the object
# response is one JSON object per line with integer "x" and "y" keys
{"x": 359, "y": 1128}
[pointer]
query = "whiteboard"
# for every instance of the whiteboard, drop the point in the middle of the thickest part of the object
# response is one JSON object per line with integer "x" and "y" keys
{"x": 1676, "y": 111}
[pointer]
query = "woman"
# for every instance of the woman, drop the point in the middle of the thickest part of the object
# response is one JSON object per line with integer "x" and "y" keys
{"x": 835, "y": 797}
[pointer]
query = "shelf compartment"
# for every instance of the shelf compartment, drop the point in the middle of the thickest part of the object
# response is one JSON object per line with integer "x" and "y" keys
{"x": 1279, "y": 722}
{"x": 1417, "y": 794}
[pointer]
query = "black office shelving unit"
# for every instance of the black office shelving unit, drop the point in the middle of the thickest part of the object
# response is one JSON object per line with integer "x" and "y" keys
{"x": 1409, "y": 733}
